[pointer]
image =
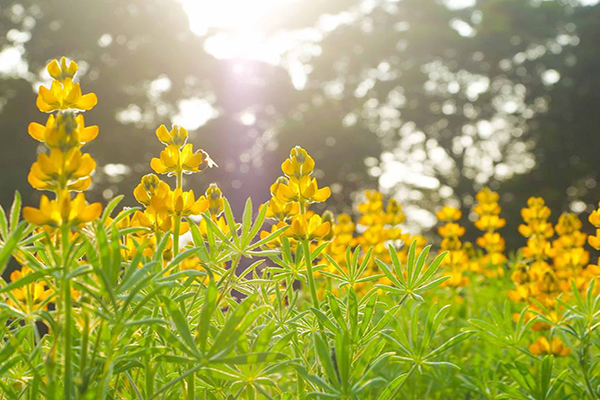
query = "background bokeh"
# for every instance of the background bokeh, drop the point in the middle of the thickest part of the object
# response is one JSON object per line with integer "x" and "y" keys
{"x": 427, "y": 100}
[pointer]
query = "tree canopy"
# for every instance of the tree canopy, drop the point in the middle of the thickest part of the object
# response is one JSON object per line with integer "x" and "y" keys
{"x": 428, "y": 99}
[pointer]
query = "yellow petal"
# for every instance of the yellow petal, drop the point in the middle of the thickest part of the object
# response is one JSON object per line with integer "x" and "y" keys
{"x": 81, "y": 184}
{"x": 54, "y": 69}
{"x": 322, "y": 230}
{"x": 91, "y": 212}
{"x": 34, "y": 216}
{"x": 157, "y": 165}
{"x": 37, "y": 131}
{"x": 322, "y": 194}
{"x": 163, "y": 134}
{"x": 87, "y": 102}
{"x": 88, "y": 134}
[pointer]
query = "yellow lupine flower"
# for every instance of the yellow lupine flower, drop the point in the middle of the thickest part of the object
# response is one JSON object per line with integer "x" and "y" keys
{"x": 280, "y": 210}
{"x": 448, "y": 213}
{"x": 149, "y": 187}
{"x": 64, "y": 132}
{"x": 177, "y": 136}
{"x": 65, "y": 96}
{"x": 374, "y": 203}
{"x": 62, "y": 71}
{"x": 215, "y": 199}
{"x": 556, "y": 347}
{"x": 490, "y": 222}
{"x": 450, "y": 230}
{"x": 31, "y": 297}
{"x": 536, "y": 209}
{"x": 492, "y": 241}
{"x": 303, "y": 227}
{"x": 299, "y": 164}
{"x": 594, "y": 218}
{"x": 173, "y": 160}
{"x": 150, "y": 218}
{"x": 303, "y": 189}
{"x": 62, "y": 170}
{"x": 64, "y": 211}
{"x": 594, "y": 241}
{"x": 394, "y": 214}
{"x": 536, "y": 227}
{"x": 181, "y": 203}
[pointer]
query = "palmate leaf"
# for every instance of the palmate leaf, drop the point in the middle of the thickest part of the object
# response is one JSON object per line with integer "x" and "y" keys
{"x": 540, "y": 387}
{"x": 414, "y": 278}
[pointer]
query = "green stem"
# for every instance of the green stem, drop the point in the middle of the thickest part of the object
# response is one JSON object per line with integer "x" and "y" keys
{"x": 176, "y": 235}
{"x": 68, "y": 316}
{"x": 583, "y": 363}
{"x": 190, "y": 385}
{"x": 310, "y": 275}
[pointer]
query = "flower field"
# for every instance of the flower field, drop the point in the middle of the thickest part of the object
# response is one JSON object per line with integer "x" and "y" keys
{"x": 178, "y": 299}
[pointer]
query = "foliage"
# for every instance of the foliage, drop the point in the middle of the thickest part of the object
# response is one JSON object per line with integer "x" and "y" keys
{"x": 178, "y": 299}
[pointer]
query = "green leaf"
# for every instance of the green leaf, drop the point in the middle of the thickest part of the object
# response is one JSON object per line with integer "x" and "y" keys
{"x": 368, "y": 313}
{"x": 3, "y": 224}
{"x": 251, "y": 358}
{"x": 110, "y": 207}
{"x": 15, "y": 211}
{"x": 325, "y": 359}
{"x": 210, "y": 303}
{"x": 258, "y": 223}
{"x": 10, "y": 244}
{"x": 181, "y": 324}
{"x": 394, "y": 386}
{"x": 246, "y": 221}
{"x": 231, "y": 222}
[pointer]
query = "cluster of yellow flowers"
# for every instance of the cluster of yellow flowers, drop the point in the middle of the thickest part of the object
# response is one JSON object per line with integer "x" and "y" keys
{"x": 165, "y": 208}
{"x": 378, "y": 225}
{"x": 292, "y": 194}
{"x": 64, "y": 168}
{"x": 549, "y": 266}
{"x": 488, "y": 259}
{"x": 457, "y": 260}
{"x": 491, "y": 264}
{"x": 31, "y": 297}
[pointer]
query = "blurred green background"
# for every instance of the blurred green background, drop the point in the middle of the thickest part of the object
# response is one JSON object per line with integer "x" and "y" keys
{"x": 427, "y": 100}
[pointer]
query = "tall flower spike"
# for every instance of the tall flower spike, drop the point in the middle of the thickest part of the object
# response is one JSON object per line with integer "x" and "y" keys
{"x": 64, "y": 168}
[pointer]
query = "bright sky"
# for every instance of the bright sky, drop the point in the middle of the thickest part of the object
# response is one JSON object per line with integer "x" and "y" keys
{"x": 241, "y": 24}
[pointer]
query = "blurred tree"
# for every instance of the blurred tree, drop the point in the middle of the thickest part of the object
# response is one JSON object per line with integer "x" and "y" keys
{"x": 144, "y": 63}
{"x": 500, "y": 93}
{"x": 424, "y": 98}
